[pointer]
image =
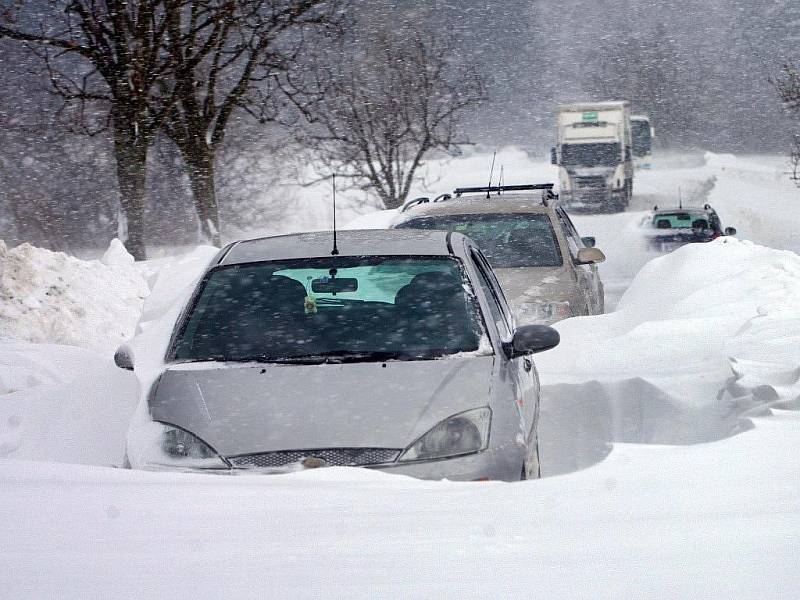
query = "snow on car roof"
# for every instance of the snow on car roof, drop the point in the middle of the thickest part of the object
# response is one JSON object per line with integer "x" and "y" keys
{"x": 376, "y": 242}
{"x": 480, "y": 204}
{"x": 689, "y": 211}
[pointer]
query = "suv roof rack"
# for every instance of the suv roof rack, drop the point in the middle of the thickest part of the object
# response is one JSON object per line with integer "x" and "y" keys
{"x": 424, "y": 200}
{"x": 504, "y": 188}
{"x": 547, "y": 190}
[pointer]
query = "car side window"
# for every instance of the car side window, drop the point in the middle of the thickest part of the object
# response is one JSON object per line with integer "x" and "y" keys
{"x": 573, "y": 241}
{"x": 497, "y": 307}
{"x": 571, "y": 228}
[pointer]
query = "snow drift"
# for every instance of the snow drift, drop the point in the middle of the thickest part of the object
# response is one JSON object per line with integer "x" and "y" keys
{"x": 703, "y": 337}
{"x": 51, "y": 297}
{"x": 62, "y": 399}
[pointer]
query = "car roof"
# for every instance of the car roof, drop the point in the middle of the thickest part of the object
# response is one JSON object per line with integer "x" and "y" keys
{"x": 480, "y": 204}
{"x": 379, "y": 242}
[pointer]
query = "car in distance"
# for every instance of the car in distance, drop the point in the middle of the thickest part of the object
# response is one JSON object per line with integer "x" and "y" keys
{"x": 398, "y": 353}
{"x": 668, "y": 229}
{"x": 546, "y": 269}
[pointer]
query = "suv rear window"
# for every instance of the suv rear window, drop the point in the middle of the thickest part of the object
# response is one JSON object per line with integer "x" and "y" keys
{"x": 507, "y": 240}
{"x": 680, "y": 220}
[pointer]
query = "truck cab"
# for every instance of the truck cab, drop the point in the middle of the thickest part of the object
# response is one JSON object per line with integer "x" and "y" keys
{"x": 594, "y": 154}
{"x": 642, "y": 141}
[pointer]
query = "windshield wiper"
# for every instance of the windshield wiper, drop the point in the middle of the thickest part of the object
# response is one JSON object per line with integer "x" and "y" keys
{"x": 331, "y": 357}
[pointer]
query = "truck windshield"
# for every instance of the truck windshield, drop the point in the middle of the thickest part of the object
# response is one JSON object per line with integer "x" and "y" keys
{"x": 332, "y": 310}
{"x": 507, "y": 240}
{"x": 590, "y": 155}
{"x": 642, "y": 142}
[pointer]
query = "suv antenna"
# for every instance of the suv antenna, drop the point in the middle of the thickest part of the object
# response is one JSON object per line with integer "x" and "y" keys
{"x": 680, "y": 200}
{"x": 491, "y": 172}
{"x": 335, "y": 250}
{"x": 500, "y": 181}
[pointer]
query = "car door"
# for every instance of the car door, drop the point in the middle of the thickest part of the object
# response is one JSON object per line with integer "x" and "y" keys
{"x": 588, "y": 276}
{"x": 522, "y": 369}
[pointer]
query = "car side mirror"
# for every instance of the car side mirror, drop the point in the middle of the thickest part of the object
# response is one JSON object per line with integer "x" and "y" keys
{"x": 553, "y": 156}
{"x": 590, "y": 256}
{"x": 123, "y": 357}
{"x": 530, "y": 339}
{"x": 589, "y": 241}
{"x": 730, "y": 231}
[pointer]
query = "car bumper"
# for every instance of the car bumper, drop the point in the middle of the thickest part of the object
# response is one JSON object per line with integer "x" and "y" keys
{"x": 499, "y": 464}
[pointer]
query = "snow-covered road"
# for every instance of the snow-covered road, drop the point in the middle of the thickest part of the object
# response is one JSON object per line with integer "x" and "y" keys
{"x": 648, "y": 522}
{"x": 669, "y": 430}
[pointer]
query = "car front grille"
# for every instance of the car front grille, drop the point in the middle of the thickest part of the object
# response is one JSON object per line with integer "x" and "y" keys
{"x": 592, "y": 181}
{"x": 333, "y": 457}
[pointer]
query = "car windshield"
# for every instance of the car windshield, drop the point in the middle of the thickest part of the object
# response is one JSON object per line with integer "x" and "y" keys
{"x": 507, "y": 240}
{"x": 590, "y": 155}
{"x": 332, "y": 309}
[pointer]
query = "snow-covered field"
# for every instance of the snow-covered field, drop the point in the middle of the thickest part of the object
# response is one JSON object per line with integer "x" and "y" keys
{"x": 669, "y": 436}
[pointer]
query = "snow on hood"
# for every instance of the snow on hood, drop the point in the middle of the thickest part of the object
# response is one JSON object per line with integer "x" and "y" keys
{"x": 524, "y": 284}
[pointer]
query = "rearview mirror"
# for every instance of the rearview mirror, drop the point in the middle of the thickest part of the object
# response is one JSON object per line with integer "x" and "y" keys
{"x": 730, "y": 231}
{"x": 334, "y": 285}
{"x": 530, "y": 339}
{"x": 553, "y": 156}
{"x": 588, "y": 241}
{"x": 590, "y": 256}
{"x": 123, "y": 357}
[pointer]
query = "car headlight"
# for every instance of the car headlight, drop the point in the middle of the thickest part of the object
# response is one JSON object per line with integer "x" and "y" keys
{"x": 156, "y": 445}
{"x": 543, "y": 312}
{"x": 463, "y": 433}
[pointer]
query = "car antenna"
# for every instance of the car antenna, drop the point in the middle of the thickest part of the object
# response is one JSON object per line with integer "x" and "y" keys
{"x": 491, "y": 172}
{"x": 500, "y": 181}
{"x": 680, "y": 200}
{"x": 335, "y": 250}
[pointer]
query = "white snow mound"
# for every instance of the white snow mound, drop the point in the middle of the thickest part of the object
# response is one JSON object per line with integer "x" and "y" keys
{"x": 704, "y": 337}
{"x": 51, "y": 297}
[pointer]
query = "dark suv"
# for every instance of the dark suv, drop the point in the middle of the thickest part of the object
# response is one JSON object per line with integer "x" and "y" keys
{"x": 671, "y": 228}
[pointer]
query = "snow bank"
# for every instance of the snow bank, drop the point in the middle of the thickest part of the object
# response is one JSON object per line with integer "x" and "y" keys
{"x": 703, "y": 337}
{"x": 51, "y": 297}
{"x": 707, "y": 521}
{"x": 62, "y": 403}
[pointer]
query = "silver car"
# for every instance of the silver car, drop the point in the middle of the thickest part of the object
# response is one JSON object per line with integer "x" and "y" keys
{"x": 547, "y": 270}
{"x": 397, "y": 353}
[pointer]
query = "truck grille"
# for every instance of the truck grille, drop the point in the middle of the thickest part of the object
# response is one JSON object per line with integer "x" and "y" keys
{"x": 334, "y": 457}
{"x": 592, "y": 181}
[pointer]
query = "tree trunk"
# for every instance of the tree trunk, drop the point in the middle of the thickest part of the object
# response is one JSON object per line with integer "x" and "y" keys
{"x": 130, "y": 152}
{"x": 199, "y": 159}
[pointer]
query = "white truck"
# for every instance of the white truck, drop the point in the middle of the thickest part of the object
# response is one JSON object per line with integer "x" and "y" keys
{"x": 594, "y": 156}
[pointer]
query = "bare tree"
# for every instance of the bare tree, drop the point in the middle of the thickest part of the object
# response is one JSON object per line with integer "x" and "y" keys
{"x": 788, "y": 85}
{"x": 104, "y": 53}
{"x": 377, "y": 108}
{"x": 226, "y": 69}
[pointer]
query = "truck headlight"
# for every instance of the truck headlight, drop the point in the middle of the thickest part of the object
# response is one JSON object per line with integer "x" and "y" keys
{"x": 543, "y": 312}
{"x": 464, "y": 433}
{"x": 157, "y": 445}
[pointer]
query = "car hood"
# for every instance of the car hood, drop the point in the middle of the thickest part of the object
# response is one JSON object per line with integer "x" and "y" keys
{"x": 246, "y": 409}
{"x": 528, "y": 284}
